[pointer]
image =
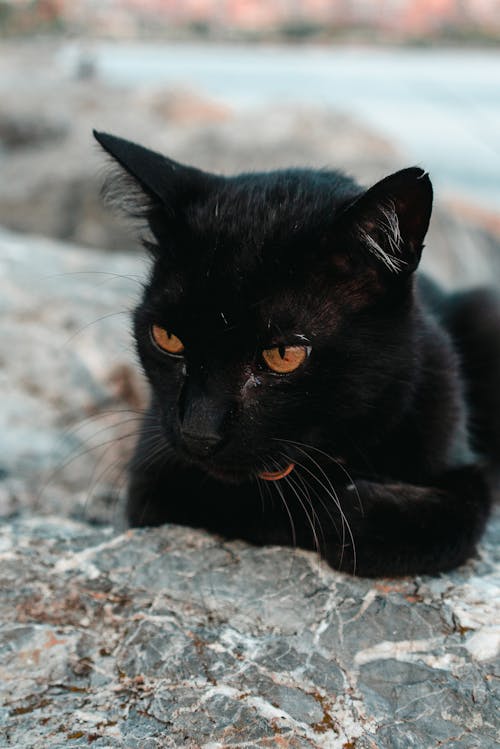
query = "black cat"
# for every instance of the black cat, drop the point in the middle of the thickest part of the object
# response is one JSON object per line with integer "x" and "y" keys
{"x": 306, "y": 387}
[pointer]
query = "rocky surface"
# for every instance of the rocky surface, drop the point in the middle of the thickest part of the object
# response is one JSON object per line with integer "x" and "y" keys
{"x": 170, "y": 637}
{"x": 71, "y": 392}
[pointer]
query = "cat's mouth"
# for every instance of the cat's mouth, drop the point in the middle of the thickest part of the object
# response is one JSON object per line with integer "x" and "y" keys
{"x": 237, "y": 473}
{"x": 277, "y": 475}
{"x": 235, "y": 476}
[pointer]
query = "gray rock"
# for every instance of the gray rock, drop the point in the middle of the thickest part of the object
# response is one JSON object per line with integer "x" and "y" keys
{"x": 70, "y": 388}
{"x": 171, "y": 637}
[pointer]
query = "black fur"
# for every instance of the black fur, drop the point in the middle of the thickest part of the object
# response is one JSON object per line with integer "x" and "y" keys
{"x": 392, "y": 422}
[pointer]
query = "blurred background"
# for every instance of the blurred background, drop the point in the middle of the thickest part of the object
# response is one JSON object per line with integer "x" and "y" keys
{"x": 365, "y": 85}
{"x": 368, "y": 86}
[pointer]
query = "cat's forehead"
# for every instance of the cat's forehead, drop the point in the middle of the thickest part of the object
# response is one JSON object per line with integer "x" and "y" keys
{"x": 251, "y": 236}
{"x": 246, "y": 251}
{"x": 204, "y": 306}
{"x": 211, "y": 287}
{"x": 253, "y": 209}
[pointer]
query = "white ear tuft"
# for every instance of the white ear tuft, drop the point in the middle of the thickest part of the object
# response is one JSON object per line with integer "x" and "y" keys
{"x": 386, "y": 223}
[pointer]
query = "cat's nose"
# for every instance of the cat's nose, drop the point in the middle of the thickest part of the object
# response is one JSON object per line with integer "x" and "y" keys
{"x": 200, "y": 445}
{"x": 201, "y": 420}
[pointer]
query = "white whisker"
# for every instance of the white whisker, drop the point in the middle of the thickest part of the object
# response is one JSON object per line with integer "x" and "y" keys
{"x": 331, "y": 492}
{"x": 338, "y": 463}
{"x": 292, "y": 524}
{"x": 319, "y": 498}
{"x": 314, "y": 518}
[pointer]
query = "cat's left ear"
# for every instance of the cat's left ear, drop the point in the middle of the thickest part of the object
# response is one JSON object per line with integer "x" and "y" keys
{"x": 164, "y": 188}
{"x": 390, "y": 220}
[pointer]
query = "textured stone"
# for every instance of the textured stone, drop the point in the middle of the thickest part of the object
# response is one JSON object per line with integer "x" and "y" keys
{"x": 171, "y": 637}
{"x": 66, "y": 368}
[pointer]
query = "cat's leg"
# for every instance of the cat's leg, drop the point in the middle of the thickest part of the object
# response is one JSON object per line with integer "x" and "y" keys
{"x": 401, "y": 529}
{"x": 473, "y": 319}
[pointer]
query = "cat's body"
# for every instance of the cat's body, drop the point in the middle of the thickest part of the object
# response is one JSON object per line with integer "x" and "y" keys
{"x": 304, "y": 388}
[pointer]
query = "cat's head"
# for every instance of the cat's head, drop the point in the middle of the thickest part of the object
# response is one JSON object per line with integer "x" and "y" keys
{"x": 279, "y": 310}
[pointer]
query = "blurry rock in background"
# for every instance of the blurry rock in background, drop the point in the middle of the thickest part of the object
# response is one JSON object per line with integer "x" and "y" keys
{"x": 52, "y": 171}
{"x": 18, "y": 132}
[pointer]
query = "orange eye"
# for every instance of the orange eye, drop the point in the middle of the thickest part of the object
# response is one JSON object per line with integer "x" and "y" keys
{"x": 283, "y": 359}
{"x": 168, "y": 342}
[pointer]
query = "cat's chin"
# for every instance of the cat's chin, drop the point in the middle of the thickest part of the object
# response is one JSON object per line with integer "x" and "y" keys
{"x": 234, "y": 473}
{"x": 224, "y": 474}
{"x": 228, "y": 475}
{"x": 235, "y": 476}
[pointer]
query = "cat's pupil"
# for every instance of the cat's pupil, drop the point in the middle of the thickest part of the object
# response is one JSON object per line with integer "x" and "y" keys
{"x": 281, "y": 350}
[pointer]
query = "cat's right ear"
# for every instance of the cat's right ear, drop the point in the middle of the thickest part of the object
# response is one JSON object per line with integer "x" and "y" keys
{"x": 163, "y": 188}
{"x": 390, "y": 220}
